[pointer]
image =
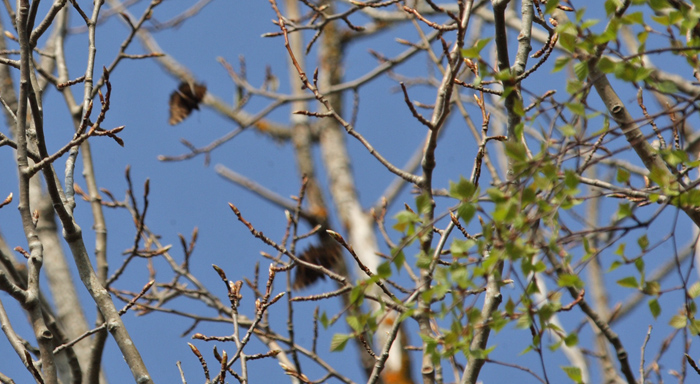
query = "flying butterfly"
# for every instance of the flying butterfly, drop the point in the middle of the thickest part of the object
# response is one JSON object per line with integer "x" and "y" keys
{"x": 326, "y": 255}
{"x": 183, "y": 100}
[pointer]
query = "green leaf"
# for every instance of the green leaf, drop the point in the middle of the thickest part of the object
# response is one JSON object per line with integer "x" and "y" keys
{"x": 529, "y": 195}
{"x": 357, "y": 294}
{"x": 532, "y": 288}
{"x": 664, "y": 19}
{"x": 384, "y": 270}
{"x": 615, "y": 264}
{"x": 651, "y": 288}
{"x": 475, "y": 51}
{"x": 642, "y": 37}
{"x": 674, "y": 157}
{"x": 496, "y": 195}
{"x": 405, "y": 222}
{"x": 633, "y": 18}
{"x": 624, "y": 210}
{"x": 481, "y": 353}
{"x": 460, "y": 248}
{"x": 463, "y": 189}
{"x": 461, "y": 277}
{"x": 573, "y": 86}
{"x": 628, "y": 282}
{"x": 609, "y": 34}
{"x": 606, "y": 65}
{"x": 466, "y": 212}
{"x": 641, "y": 73}
{"x": 694, "y": 290}
{"x": 554, "y": 347}
{"x": 610, "y": 7}
{"x": 581, "y": 70}
{"x": 505, "y": 76}
{"x": 620, "y": 251}
{"x": 399, "y": 258}
{"x": 516, "y": 151}
{"x": 497, "y": 321}
{"x": 355, "y": 323}
{"x": 571, "y": 339}
{"x": 423, "y": 261}
{"x": 406, "y": 314}
{"x": 439, "y": 291}
{"x": 510, "y": 306}
{"x": 623, "y": 175}
{"x": 339, "y": 341}
{"x": 324, "y": 320}
{"x": 589, "y": 23}
{"x": 659, "y": 5}
{"x": 654, "y": 308}
{"x": 546, "y": 312}
{"x": 423, "y": 203}
{"x": 506, "y": 212}
{"x": 678, "y": 321}
{"x": 560, "y": 63}
{"x": 643, "y": 242}
{"x": 474, "y": 315}
{"x": 665, "y": 86}
{"x": 567, "y": 40}
{"x": 551, "y": 6}
{"x": 574, "y": 373}
{"x": 660, "y": 176}
{"x": 568, "y": 280}
{"x": 526, "y": 350}
{"x": 570, "y": 179}
{"x": 576, "y": 108}
{"x": 694, "y": 327}
{"x": 570, "y": 202}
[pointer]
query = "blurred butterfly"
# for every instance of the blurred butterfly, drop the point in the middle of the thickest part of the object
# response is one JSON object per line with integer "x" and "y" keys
{"x": 186, "y": 98}
{"x": 326, "y": 255}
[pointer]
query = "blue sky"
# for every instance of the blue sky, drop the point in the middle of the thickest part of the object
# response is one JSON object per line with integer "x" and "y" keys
{"x": 189, "y": 194}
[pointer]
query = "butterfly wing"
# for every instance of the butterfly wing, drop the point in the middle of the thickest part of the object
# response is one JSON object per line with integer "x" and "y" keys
{"x": 326, "y": 255}
{"x": 179, "y": 108}
{"x": 183, "y": 100}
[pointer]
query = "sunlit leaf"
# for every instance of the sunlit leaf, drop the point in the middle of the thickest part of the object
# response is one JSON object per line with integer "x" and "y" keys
{"x": 567, "y": 280}
{"x": 550, "y": 6}
{"x": 354, "y": 323}
{"x": 651, "y": 288}
{"x": 628, "y": 282}
{"x": 516, "y": 151}
{"x": 694, "y": 290}
{"x": 357, "y": 294}
{"x": 678, "y": 321}
{"x": 324, "y": 320}
{"x": 560, "y": 63}
{"x": 654, "y": 308}
{"x": 623, "y": 175}
{"x": 581, "y": 70}
{"x": 475, "y": 51}
{"x": 423, "y": 261}
{"x": 574, "y": 373}
{"x": 571, "y": 339}
{"x": 339, "y": 341}
{"x": 423, "y": 203}
{"x": 466, "y": 212}
{"x": 463, "y": 189}
{"x": 606, "y": 65}
{"x": 399, "y": 258}
{"x": 384, "y": 270}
